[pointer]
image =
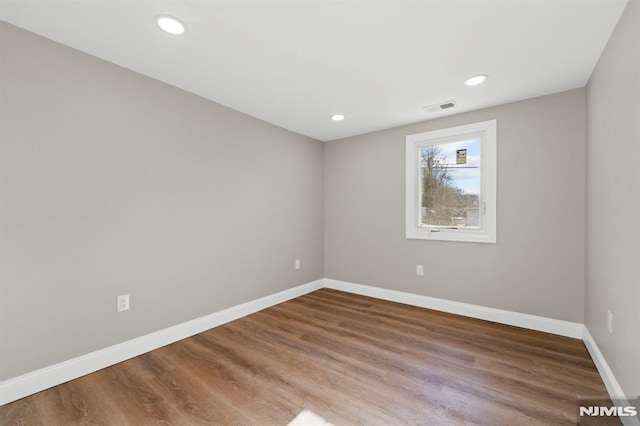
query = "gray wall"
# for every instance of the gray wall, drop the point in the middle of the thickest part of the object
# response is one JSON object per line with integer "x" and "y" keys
{"x": 613, "y": 201}
{"x": 537, "y": 265}
{"x": 113, "y": 183}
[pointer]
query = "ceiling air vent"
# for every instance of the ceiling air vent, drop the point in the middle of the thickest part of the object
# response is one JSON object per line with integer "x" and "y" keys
{"x": 440, "y": 107}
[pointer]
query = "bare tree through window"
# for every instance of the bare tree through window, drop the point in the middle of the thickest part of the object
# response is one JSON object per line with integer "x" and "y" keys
{"x": 450, "y": 192}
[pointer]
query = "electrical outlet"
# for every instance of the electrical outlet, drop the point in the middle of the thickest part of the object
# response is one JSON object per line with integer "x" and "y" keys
{"x": 419, "y": 270}
{"x": 123, "y": 302}
{"x": 297, "y": 264}
{"x": 609, "y": 322}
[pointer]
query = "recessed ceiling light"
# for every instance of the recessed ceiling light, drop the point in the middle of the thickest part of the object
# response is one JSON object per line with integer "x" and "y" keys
{"x": 170, "y": 24}
{"x": 337, "y": 117}
{"x": 476, "y": 79}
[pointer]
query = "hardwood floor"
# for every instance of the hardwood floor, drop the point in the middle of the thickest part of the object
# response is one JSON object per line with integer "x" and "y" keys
{"x": 348, "y": 358}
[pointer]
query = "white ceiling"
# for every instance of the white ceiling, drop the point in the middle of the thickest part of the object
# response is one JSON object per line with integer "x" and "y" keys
{"x": 294, "y": 63}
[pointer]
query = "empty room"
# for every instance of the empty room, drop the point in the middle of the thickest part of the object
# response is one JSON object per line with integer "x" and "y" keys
{"x": 319, "y": 212}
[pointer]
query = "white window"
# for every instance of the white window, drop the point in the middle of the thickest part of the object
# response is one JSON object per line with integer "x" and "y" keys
{"x": 451, "y": 184}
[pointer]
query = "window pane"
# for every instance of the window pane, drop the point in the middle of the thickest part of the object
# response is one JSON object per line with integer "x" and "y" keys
{"x": 450, "y": 184}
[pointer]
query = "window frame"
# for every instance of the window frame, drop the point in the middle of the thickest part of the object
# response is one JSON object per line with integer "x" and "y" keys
{"x": 487, "y": 131}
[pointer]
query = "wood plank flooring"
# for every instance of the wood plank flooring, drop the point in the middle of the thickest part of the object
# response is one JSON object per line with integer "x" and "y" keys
{"x": 351, "y": 359}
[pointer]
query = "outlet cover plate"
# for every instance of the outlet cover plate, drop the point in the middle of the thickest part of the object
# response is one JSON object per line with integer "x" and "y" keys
{"x": 123, "y": 302}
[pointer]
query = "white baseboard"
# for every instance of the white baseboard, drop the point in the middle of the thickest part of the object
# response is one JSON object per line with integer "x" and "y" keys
{"x": 36, "y": 381}
{"x": 533, "y": 322}
{"x": 611, "y": 383}
{"x": 613, "y": 387}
